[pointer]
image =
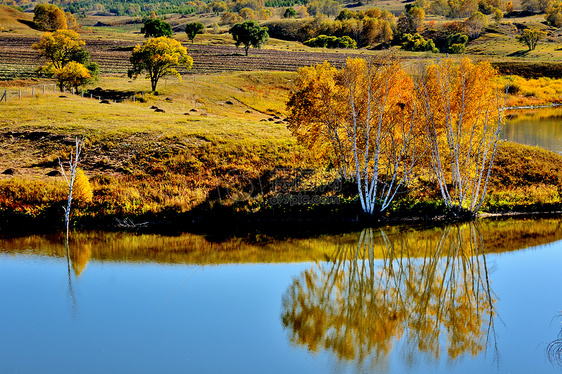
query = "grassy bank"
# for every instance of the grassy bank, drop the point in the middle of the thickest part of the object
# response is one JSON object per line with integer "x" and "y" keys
{"x": 219, "y": 151}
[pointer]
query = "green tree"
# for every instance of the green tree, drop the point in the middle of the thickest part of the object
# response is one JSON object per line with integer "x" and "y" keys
{"x": 218, "y": 7}
{"x": 535, "y": 6}
{"x": 159, "y": 57}
{"x": 457, "y": 43}
{"x": 49, "y": 17}
{"x": 411, "y": 21}
{"x": 192, "y": 29}
{"x": 247, "y": 13}
{"x": 155, "y": 28}
{"x": 554, "y": 13}
{"x": 249, "y": 34}
{"x": 290, "y": 13}
{"x": 345, "y": 14}
{"x": 530, "y": 37}
{"x": 498, "y": 15}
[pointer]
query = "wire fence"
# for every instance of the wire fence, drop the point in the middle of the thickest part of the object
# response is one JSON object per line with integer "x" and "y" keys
{"x": 17, "y": 94}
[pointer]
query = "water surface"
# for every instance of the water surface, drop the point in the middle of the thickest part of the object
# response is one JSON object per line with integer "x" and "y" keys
{"x": 542, "y": 127}
{"x": 460, "y": 299}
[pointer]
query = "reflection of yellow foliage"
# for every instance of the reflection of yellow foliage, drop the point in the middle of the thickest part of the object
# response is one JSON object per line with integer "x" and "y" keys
{"x": 80, "y": 255}
{"x": 358, "y": 308}
{"x": 499, "y": 236}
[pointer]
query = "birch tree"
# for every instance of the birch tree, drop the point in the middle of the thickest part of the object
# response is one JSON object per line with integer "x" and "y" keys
{"x": 70, "y": 178}
{"x": 462, "y": 105}
{"x": 365, "y": 119}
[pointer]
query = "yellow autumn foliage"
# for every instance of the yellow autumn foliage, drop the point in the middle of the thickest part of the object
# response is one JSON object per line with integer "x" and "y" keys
{"x": 82, "y": 189}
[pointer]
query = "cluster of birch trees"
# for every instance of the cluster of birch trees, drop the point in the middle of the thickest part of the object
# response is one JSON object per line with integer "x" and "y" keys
{"x": 383, "y": 126}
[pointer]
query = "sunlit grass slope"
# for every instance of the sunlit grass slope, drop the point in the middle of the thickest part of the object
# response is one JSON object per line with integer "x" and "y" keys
{"x": 141, "y": 161}
{"x": 14, "y": 21}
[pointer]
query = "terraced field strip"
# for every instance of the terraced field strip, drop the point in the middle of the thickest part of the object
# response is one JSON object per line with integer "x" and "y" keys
{"x": 18, "y": 59}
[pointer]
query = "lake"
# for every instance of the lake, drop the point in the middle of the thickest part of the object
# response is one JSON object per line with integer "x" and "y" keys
{"x": 479, "y": 297}
{"x": 542, "y": 127}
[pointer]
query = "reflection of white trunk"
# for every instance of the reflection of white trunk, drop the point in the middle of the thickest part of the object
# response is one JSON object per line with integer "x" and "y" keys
{"x": 429, "y": 290}
{"x": 73, "y": 167}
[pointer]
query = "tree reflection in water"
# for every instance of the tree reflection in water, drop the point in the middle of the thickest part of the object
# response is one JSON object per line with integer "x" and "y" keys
{"x": 431, "y": 293}
{"x": 77, "y": 257}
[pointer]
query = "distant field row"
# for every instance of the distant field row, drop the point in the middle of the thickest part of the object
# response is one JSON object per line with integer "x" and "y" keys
{"x": 18, "y": 59}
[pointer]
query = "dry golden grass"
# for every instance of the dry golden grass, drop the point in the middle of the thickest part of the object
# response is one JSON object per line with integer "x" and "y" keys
{"x": 14, "y": 21}
{"x": 140, "y": 161}
{"x": 538, "y": 91}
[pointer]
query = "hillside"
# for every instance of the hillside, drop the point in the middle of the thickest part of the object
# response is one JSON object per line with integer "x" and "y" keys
{"x": 14, "y": 21}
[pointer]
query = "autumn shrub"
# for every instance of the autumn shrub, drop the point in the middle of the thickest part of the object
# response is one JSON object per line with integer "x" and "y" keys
{"x": 417, "y": 43}
{"x": 457, "y": 48}
{"x": 534, "y": 91}
{"x": 525, "y": 178}
{"x": 525, "y": 166}
{"x": 31, "y": 197}
{"x": 82, "y": 191}
{"x": 324, "y": 41}
{"x": 457, "y": 43}
{"x": 533, "y": 198}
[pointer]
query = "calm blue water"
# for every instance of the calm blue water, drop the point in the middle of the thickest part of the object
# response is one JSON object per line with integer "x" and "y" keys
{"x": 123, "y": 317}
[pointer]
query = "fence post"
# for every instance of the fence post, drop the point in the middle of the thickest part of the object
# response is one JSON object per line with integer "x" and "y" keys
{"x": 19, "y": 94}
{"x": 91, "y": 96}
{"x": 72, "y": 91}
{"x": 32, "y": 91}
{"x": 54, "y": 87}
{"x": 43, "y": 89}
{"x": 3, "y": 97}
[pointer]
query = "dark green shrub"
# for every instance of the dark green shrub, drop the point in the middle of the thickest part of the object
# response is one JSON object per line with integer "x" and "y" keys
{"x": 325, "y": 41}
{"x": 417, "y": 43}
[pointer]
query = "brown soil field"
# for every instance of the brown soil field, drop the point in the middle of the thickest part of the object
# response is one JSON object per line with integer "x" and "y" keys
{"x": 18, "y": 59}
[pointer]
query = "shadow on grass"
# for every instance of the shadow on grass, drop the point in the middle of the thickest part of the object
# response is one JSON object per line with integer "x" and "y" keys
{"x": 111, "y": 94}
{"x": 28, "y": 23}
{"x": 519, "y": 53}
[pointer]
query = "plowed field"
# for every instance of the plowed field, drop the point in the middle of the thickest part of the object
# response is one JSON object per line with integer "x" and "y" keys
{"x": 18, "y": 59}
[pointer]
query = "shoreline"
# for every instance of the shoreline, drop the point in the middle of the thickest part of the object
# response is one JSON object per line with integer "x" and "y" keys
{"x": 227, "y": 225}
{"x": 551, "y": 105}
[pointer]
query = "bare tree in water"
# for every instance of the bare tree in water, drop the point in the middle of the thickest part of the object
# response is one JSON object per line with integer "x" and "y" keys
{"x": 70, "y": 178}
